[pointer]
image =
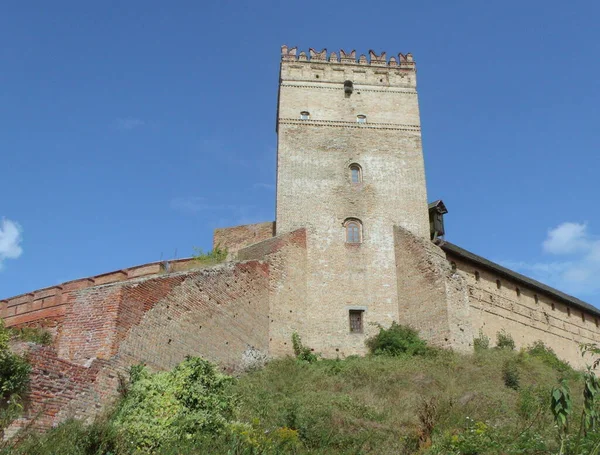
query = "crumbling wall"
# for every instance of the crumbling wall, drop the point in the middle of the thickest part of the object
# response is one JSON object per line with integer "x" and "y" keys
{"x": 432, "y": 297}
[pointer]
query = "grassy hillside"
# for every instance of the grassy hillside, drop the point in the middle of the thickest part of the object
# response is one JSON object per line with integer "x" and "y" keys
{"x": 425, "y": 401}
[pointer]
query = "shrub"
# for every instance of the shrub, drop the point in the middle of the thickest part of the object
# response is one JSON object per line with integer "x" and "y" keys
{"x": 301, "y": 352}
{"x": 482, "y": 342}
{"x": 548, "y": 356}
{"x": 166, "y": 406}
{"x": 14, "y": 369}
{"x": 511, "y": 375}
{"x": 505, "y": 340}
{"x": 397, "y": 340}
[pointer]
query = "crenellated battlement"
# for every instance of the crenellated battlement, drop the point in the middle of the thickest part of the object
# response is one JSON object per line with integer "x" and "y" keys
{"x": 404, "y": 61}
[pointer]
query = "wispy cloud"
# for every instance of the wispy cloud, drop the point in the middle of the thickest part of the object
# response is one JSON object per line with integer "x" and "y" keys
{"x": 264, "y": 186}
{"x": 10, "y": 240}
{"x": 575, "y": 263}
{"x": 129, "y": 123}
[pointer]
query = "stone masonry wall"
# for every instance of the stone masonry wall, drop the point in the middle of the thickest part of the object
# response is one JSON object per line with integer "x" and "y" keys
{"x": 432, "y": 297}
{"x": 527, "y": 315}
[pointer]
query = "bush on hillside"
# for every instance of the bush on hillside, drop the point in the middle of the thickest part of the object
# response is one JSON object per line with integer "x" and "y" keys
{"x": 505, "y": 340}
{"x": 398, "y": 340}
{"x": 166, "y": 406}
{"x": 548, "y": 356}
{"x": 14, "y": 369}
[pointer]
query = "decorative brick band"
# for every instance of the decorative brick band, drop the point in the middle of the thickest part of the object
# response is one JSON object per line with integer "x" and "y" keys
{"x": 340, "y": 124}
{"x": 362, "y": 89}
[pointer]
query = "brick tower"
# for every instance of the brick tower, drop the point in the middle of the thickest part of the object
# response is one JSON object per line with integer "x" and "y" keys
{"x": 349, "y": 169}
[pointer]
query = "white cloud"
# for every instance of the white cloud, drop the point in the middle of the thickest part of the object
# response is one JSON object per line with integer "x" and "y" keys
{"x": 129, "y": 123}
{"x": 10, "y": 240}
{"x": 567, "y": 238}
{"x": 577, "y": 266}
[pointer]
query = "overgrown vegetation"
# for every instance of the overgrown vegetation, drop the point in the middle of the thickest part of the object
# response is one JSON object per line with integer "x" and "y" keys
{"x": 301, "y": 352}
{"x": 32, "y": 334}
{"x": 214, "y": 256}
{"x": 14, "y": 378}
{"x": 398, "y": 340}
{"x": 400, "y": 401}
{"x": 505, "y": 341}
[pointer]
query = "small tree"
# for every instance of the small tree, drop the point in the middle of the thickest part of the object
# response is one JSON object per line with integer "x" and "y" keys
{"x": 504, "y": 340}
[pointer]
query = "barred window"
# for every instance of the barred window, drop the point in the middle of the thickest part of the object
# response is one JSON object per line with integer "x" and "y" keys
{"x": 356, "y": 321}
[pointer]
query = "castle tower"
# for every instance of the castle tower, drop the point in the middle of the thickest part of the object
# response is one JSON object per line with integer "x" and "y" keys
{"x": 349, "y": 169}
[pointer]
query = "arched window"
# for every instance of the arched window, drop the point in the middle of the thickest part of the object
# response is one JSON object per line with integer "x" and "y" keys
{"x": 353, "y": 231}
{"x": 304, "y": 115}
{"x": 361, "y": 118}
{"x": 355, "y": 173}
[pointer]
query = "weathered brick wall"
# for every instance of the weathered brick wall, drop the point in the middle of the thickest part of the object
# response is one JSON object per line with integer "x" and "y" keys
{"x": 47, "y": 306}
{"x": 220, "y": 313}
{"x": 432, "y": 298}
{"x": 528, "y": 315}
{"x": 238, "y": 237}
{"x": 286, "y": 257}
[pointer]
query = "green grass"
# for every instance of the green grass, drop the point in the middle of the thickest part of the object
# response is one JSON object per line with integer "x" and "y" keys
{"x": 421, "y": 404}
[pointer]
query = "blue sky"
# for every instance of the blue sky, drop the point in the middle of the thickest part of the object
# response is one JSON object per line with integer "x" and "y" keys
{"x": 130, "y": 130}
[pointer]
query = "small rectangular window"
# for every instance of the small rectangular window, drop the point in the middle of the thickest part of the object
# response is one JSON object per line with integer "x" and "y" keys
{"x": 356, "y": 321}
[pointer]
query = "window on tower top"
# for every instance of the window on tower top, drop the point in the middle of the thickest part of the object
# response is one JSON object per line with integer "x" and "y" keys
{"x": 304, "y": 115}
{"x": 353, "y": 231}
{"x": 355, "y": 173}
{"x": 361, "y": 118}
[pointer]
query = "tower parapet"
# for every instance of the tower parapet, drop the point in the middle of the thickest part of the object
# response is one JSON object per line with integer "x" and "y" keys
{"x": 326, "y": 68}
{"x": 404, "y": 61}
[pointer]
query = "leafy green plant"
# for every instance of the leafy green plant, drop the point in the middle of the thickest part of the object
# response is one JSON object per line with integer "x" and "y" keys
{"x": 482, "y": 342}
{"x": 162, "y": 407}
{"x": 398, "y": 340}
{"x": 504, "y": 340}
{"x": 301, "y": 352}
{"x": 14, "y": 369}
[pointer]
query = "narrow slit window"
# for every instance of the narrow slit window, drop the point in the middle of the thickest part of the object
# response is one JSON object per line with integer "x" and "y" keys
{"x": 361, "y": 118}
{"x": 582, "y": 316}
{"x": 304, "y": 115}
{"x": 518, "y": 292}
{"x": 477, "y": 276}
{"x": 568, "y": 311}
{"x": 356, "y": 321}
{"x": 355, "y": 173}
{"x": 498, "y": 284}
{"x": 353, "y": 231}
{"x": 536, "y": 298}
